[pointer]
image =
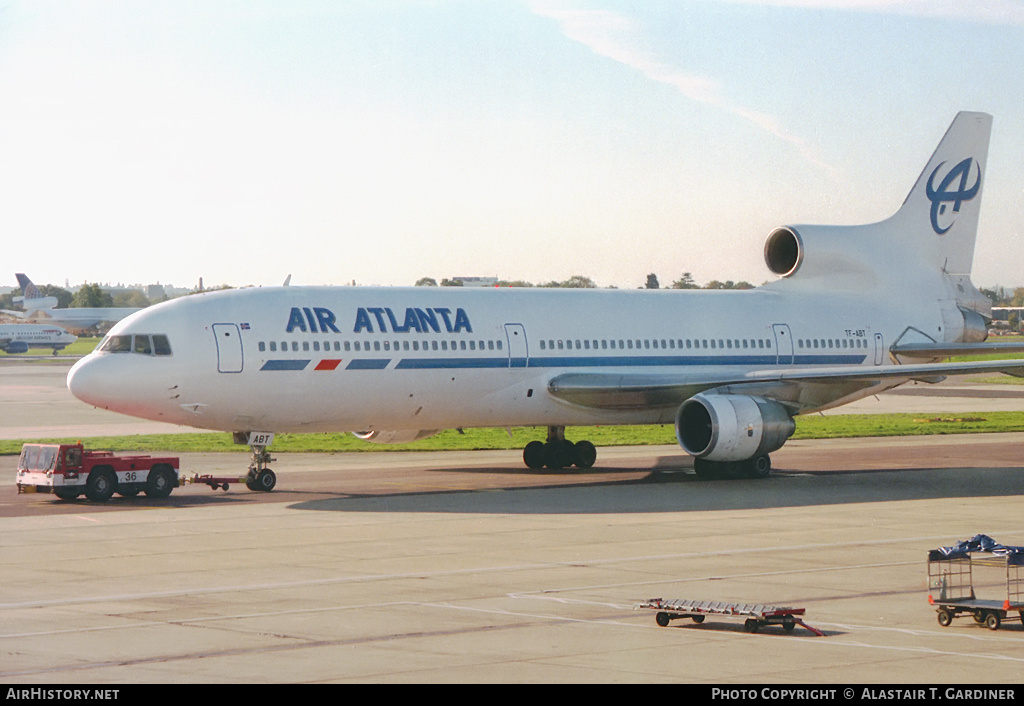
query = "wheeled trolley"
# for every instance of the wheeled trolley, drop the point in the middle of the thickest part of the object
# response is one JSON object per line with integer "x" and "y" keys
{"x": 757, "y": 614}
{"x": 952, "y": 580}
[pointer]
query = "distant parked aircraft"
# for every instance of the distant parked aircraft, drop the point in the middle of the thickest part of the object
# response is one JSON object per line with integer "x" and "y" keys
{"x": 40, "y": 309}
{"x": 18, "y": 338}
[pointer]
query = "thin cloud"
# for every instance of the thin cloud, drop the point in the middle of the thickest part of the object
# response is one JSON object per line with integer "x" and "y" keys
{"x": 619, "y": 38}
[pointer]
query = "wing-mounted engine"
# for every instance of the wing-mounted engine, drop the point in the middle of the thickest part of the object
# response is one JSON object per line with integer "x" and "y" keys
{"x": 718, "y": 427}
{"x": 393, "y": 436}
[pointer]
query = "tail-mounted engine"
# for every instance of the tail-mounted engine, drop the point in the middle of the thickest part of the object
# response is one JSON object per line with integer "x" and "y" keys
{"x": 842, "y": 254}
{"x": 732, "y": 427}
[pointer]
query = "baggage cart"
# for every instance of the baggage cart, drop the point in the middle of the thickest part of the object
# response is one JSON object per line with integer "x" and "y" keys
{"x": 952, "y": 577}
{"x": 756, "y": 615}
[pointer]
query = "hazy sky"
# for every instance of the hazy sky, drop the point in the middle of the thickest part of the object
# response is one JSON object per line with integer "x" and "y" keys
{"x": 380, "y": 141}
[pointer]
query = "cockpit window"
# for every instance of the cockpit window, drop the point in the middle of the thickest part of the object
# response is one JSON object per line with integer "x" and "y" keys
{"x": 143, "y": 344}
{"x": 117, "y": 344}
{"x": 161, "y": 344}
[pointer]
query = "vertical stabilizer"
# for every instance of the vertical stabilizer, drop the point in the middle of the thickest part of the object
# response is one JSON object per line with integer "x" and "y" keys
{"x": 28, "y": 289}
{"x": 939, "y": 218}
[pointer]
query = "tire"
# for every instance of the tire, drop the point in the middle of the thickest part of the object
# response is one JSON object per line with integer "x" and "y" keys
{"x": 945, "y": 618}
{"x": 759, "y": 466}
{"x": 698, "y": 619}
{"x": 160, "y": 483}
{"x": 584, "y": 454}
{"x": 533, "y": 455}
{"x": 101, "y": 485}
{"x": 751, "y": 625}
{"x": 67, "y": 493}
{"x": 662, "y": 619}
{"x": 705, "y": 470}
{"x": 557, "y": 454}
{"x": 265, "y": 480}
{"x": 788, "y": 624}
{"x": 992, "y": 621}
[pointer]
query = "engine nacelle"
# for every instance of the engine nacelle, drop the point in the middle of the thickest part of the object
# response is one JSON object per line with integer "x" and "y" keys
{"x": 392, "y": 436}
{"x": 844, "y": 255}
{"x": 732, "y": 427}
{"x": 16, "y": 347}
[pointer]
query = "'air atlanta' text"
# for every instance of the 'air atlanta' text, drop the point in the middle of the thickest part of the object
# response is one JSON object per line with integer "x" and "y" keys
{"x": 428, "y": 319}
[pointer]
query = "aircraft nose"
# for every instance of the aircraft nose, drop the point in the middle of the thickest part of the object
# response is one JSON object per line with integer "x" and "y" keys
{"x": 82, "y": 381}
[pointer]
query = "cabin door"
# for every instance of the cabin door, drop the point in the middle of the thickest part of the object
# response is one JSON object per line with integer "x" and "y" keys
{"x": 783, "y": 343}
{"x": 518, "y": 351}
{"x": 229, "y": 348}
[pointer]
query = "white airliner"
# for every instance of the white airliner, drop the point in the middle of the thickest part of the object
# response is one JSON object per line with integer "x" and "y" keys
{"x": 856, "y": 310}
{"x": 41, "y": 309}
{"x": 18, "y": 338}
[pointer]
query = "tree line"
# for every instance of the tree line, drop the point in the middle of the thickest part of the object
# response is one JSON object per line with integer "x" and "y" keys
{"x": 685, "y": 281}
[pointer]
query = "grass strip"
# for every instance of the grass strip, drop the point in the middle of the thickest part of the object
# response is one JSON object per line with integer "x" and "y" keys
{"x": 809, "y": 427}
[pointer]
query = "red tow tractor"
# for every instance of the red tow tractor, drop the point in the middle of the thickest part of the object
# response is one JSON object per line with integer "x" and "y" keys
{"x": 68, "y": 470}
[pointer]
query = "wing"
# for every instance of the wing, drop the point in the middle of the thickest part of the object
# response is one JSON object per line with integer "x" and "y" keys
{"x": 799, "y": 389}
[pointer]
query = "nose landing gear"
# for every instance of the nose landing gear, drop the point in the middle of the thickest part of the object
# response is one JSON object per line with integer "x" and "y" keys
{"x": 260, "y": 477}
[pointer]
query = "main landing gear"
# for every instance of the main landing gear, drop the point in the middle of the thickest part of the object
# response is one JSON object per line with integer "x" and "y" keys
{"x": 756, "y": 467}
{"x": 558, "y": 452}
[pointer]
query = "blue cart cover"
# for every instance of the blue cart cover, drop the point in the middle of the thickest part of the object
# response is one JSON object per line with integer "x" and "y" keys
{"x": 979, "y": 543}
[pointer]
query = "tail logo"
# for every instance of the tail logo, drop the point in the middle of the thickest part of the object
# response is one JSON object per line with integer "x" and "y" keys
{"x": 942, "y": 195}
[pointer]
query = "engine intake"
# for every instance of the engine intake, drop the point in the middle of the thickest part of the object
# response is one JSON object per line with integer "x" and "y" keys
{"x": 732, "y": 427}
{"x": 783, "y": 251}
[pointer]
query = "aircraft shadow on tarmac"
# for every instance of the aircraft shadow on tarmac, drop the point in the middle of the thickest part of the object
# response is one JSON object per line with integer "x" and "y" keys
{"x": 670, "y": 490}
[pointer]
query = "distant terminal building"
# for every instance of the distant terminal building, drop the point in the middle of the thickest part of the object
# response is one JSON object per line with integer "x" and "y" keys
{"x": 1001, "y": 315}
{"x": 477, "y": 281}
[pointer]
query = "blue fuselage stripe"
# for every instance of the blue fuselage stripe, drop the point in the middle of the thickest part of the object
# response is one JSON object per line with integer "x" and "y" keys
{"x": 595, "y": 361}
{"x": 368, "y": 364}
{"x": 285, "y": 365}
